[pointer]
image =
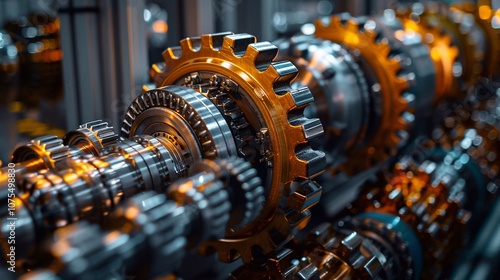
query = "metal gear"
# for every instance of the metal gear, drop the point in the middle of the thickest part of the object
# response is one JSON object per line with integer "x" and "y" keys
{"x": 242, "y": 183}
{"x": 485, "y": 18}
{"x": 385, "y": 86}
{"x": 443, "y": 53}
{"x": 275, "y": 112}
{"x": 46, "y": 151}
{"x": 92, "y": 137}
{"x": 184, "y": 116}
{"x": 440, "y": 16}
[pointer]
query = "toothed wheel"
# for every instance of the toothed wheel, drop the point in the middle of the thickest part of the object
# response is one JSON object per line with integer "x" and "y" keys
{"x": 453, "y": 23}
{"x": 386, "y": 88}
{"x": 49, "y": 149}
{"x": 93, "y": 136}
{"x": 443, "y": 52}
{"x": 184, "y": 116}
{"x": 285, "y": 162}
{"x": 242, "y": 183}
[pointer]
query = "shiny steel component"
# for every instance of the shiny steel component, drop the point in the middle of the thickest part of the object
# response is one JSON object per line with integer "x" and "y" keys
{"x": 341, "y": 98}
{"x": 459, "y": 26}
{"x": 484, "y": 19}
{"x": 92, "y": 137}
{"x": 237, "y": 67}
{"x": 42, "y": 153}
{"x": 386, "y": 89}
{"x": 90, "y": 187}
{"x": 150, "y": 227}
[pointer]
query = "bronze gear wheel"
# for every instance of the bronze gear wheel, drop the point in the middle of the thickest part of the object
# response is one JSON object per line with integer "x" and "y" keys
{"x": 275, "y": 112}
{"x": 348, "y": 31}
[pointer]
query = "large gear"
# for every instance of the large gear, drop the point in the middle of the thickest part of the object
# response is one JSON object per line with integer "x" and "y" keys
{"x": 275, "y": 112}
{"x": 386, "y": 87}
{"x": 438, "y": 15}
{"x": 443, "y": 53}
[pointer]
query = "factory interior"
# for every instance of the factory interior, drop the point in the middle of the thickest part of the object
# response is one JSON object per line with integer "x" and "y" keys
{"x": 249, "y": 139}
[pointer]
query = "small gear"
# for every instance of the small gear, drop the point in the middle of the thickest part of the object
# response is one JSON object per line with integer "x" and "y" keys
{"x": 93, "y": 136}
{"x": 49, "y": 149}
{"x": 274, "y": 110}
{"x": 242, "y": 183}
{"x": 386, "y": 88}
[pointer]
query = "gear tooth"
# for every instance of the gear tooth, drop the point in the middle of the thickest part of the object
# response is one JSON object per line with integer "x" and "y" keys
{"x": 192, "y": 44}
{"x": 172, "y": 53}
{"x": 302, "y": 97}
{"x": 311, "y": 162}
{"x": 285, "y": 72}
{"x": 307, "y": 195}
{"x": 262, "y": 54}
{"x": 353, "y": 25}
{"x": 238, "y": 43}
{"x": 214, "y": 41}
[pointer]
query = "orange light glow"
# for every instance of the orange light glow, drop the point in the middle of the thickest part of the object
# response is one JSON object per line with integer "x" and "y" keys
{"x": 485, "y": 12}
{"x": 160, "y": 26}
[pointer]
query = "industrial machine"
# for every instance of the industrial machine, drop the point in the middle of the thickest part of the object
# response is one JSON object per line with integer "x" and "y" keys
{"x": 354, "y": 147}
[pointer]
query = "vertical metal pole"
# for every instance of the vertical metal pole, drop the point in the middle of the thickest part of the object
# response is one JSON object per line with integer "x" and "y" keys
{"x": 199, "y": 17}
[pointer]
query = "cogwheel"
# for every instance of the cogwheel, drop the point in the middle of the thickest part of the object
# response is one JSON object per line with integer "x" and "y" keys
{"x": 453, "y": 23}
{"x": 443, "y": 53}
{"x": 485, "y": 18}
{"x": 391, "y": 243}
{"x": 184, "y": 116}
{"x": 242, "y": 183}
{"x": 386, "y": 87}
{"x": 93, "y": 137}
{"x": 49, "y": 149}
{"x": 274, "y": 110}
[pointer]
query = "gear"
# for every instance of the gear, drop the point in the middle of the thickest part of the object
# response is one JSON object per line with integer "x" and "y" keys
{"x": 182, "y": 114}
{"x": 93, "y": 137}
{"x": 387, "y": 89}
{"x": 485, "y": 18}
{"x": 452, "y": 23}
{"x": 275, "y": 112}
{"x": 443, "y": 53}
{"x": 49, "y": 149}
{"x": 242, "y": 183}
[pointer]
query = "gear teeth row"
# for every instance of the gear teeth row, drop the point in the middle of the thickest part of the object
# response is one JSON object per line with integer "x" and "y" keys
{"x": 48, "y": 148}
{"x": 265, "y": 83}
{"x": 95, "y": 136}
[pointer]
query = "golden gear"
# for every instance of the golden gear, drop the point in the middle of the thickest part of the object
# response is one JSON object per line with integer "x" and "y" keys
{"x": 443, "y": 54}
{"x": 484, "y": 17}
{"x": 385, "y": 140}
{"x": 275, "y": 111}
{"x": 439, "y": 15}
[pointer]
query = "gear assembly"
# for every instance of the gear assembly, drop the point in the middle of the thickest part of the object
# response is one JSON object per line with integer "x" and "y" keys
{"x": 367, "y": 148}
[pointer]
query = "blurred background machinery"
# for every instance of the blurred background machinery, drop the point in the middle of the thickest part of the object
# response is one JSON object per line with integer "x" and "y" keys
{"x": 341, "y": 140}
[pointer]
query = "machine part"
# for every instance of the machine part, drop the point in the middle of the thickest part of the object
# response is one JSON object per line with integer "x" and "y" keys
{"x": 152, "y": 227}
{"x": 42, "y": 153}
{"x": 90, "y": 187}
{"x": 341, "y": 98}
{"x": 458, "y": 27}
{"x": 92, "y": 137}
{"x": 262, "y": 91}
{"x": 387, "y": 90}
{"x": 484, "y": 17}
{"x": 443, "y": 53}
{"x": 180, "y": 112}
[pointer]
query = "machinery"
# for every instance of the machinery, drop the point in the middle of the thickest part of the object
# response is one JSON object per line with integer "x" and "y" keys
{"x": 367, "y": 149}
